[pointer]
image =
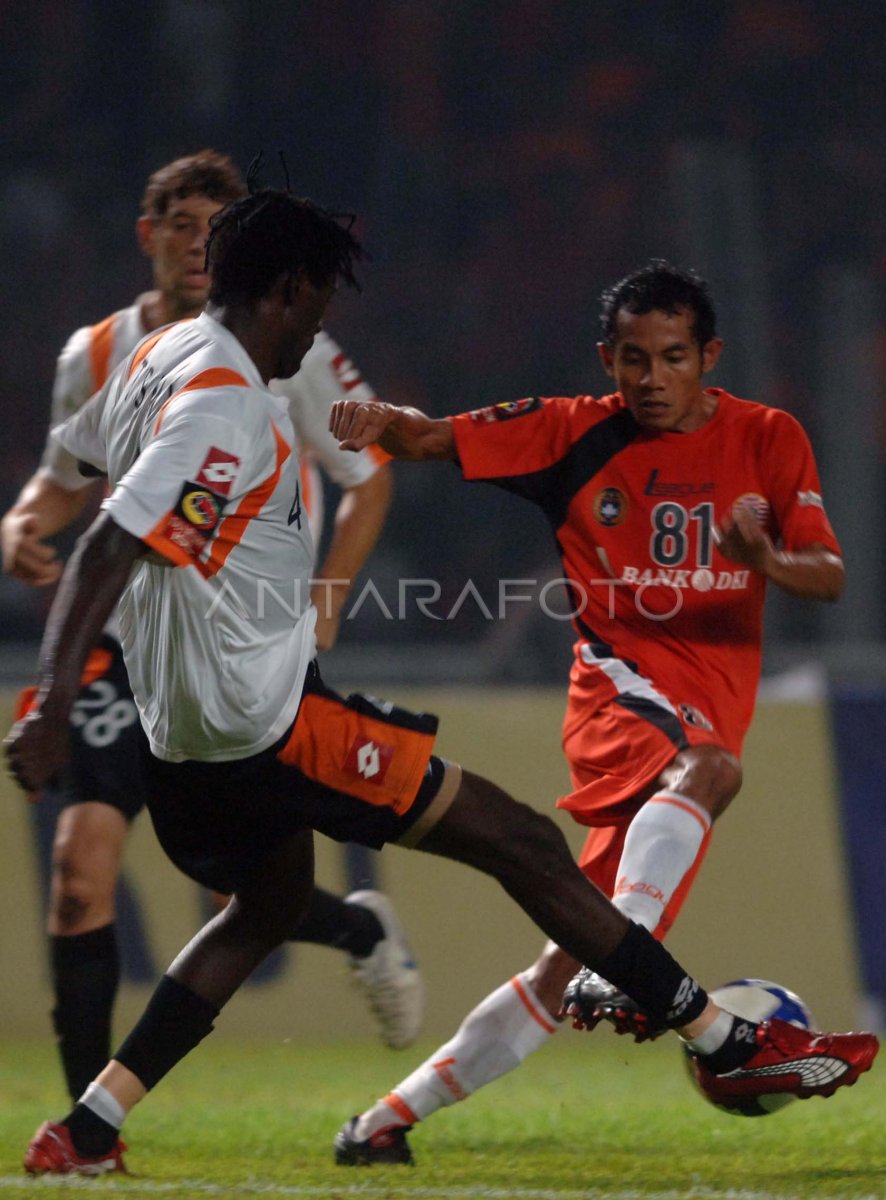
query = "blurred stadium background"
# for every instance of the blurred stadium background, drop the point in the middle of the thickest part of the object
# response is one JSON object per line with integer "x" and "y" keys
{"x": 507, "y": 161}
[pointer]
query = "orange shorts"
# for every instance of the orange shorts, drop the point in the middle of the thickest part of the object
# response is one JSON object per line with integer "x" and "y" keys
{"x": 354, "y": 769}
{"x": 619, "y": 733}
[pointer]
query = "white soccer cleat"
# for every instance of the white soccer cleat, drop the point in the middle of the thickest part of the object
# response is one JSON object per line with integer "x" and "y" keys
{"x": 389, "y": 975}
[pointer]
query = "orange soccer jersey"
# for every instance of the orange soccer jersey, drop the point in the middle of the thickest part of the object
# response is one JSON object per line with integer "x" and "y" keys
{"x": 667, "y": 626}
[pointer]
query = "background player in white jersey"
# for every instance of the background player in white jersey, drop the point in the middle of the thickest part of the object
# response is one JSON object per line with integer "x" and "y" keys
{"x": 100, "y": 792}
{"x": 247, "y": 751}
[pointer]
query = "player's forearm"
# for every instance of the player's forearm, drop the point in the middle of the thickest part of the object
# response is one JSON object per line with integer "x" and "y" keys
{"x": 53, "y": 506}
{"x": 95, "y": 576}
{"x": 416, "y": 437}
{"x": 812, "y": 573}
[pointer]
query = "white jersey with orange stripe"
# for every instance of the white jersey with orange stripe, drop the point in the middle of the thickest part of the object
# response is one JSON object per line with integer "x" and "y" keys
{"x": 325, "y": 376}
{"x": 92, "y": 353}
{"x": 217, "y": 625}
{"x": 88, "y": 358}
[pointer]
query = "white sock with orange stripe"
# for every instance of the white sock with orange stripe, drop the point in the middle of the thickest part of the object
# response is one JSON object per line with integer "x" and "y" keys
{"x": 662, "y": 844}
{"x": 493, "y": 1039}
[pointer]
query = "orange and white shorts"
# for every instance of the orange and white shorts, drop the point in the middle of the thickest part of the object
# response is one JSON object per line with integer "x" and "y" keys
{"x": 356, "y": 769}
{"x": 619, "y": 733}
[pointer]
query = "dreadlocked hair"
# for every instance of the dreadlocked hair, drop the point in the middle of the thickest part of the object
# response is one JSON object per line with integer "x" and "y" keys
{"x": 205, "y": 173}
{"x": 254, "y": 240}
{"x": 661, "y": 287}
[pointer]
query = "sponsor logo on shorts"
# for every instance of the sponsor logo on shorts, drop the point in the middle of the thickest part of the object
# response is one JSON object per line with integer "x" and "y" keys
{"x": 219, "y": 471}
{"x": 692, "y": 716}
{"x": 369, "y": 759}
{"x": 610, "y": 507}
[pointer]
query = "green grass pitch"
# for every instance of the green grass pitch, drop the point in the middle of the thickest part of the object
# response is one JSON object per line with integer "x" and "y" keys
{"x": 590, "y": 1117}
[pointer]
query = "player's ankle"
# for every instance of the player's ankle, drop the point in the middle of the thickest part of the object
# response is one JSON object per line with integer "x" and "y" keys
{"x": 726, "y": 1044}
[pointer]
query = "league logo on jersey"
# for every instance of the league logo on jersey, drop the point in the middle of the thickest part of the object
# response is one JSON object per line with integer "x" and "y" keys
{"x": 200, "y": 508}
{"x": 219, "y": 471}
{"x": 505, "y": 411}
{"x": 193, "y": 520}
{"x": 758, "y": 505}
{"x": 509, "y": 409}
{"x": 610, "y": 507}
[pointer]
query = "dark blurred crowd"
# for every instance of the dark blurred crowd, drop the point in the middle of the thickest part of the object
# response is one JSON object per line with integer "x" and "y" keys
{"x": 507, "y": 160}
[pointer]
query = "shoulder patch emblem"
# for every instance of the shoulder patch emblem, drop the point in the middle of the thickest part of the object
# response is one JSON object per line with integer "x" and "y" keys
{"x": 506, "y": 411}
{"x": 193, "y": 521}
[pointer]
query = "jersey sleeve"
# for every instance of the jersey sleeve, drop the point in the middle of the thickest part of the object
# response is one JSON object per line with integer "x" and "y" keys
{"x": 512, "y": 442}
{"x": 72, "y": 388}
{"x": 80, "y": 439}
{"x": 327, "y": 375}
{"x": 176, "y": 492}
{"x": 798, "y": 508}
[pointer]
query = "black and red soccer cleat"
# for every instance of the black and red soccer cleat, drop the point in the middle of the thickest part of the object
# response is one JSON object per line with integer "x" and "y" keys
{"x": 386, "y": 1146}
{"x": 590, "y": 999}
{"x": 790, "y": 1060}
{"x": 52, "y": 1152}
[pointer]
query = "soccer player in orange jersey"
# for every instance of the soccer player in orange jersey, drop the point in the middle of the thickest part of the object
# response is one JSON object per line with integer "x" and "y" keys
{"x": 246, "y": 750}
{"x": 673, "y": 504}
{"x": 101, "y": 791}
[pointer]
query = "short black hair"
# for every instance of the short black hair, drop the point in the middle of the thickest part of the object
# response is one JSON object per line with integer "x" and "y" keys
{"x": 255, "y": 240}
{"x": 659, "y": 286}
{"x": 206, "y": 173}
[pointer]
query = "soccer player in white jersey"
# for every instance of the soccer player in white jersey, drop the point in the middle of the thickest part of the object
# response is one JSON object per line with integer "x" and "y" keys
{"x": 247, "y": 751}
{"x": 101, "y": 792}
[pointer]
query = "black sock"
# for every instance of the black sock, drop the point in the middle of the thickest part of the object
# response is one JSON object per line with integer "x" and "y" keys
{"x": 90, "y": 1134}
{"x": 85, "y": 971}
{"x": 641, "y": 967}
{"x": 740, "y": 1045}
{"x": 329, "y": 921}
{"x": 174, "y": 1022}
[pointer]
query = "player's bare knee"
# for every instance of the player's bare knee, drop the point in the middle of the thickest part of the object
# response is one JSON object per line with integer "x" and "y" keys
{"x": 74, "y": 903}
{"x": 726, "y": 779}
{"x": 537, "y": 847}
{"x": 708, "y": 774}
{"x": 78, "y": 896}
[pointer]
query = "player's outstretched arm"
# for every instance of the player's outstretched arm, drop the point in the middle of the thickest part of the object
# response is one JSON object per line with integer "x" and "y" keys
{"x": 402, "y": 432}
{"x": 42, "y": 509}
{"x": 37, "y": 746}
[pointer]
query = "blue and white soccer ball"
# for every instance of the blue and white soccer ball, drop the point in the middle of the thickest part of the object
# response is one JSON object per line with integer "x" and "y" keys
{"x": 757, "y": 1000}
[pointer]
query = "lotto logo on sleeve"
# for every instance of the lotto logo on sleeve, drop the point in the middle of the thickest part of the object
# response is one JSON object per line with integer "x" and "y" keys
{"x": 369, "y": 759}
{"x": 219, "y": 471}
{"x": 346, "y": 373}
